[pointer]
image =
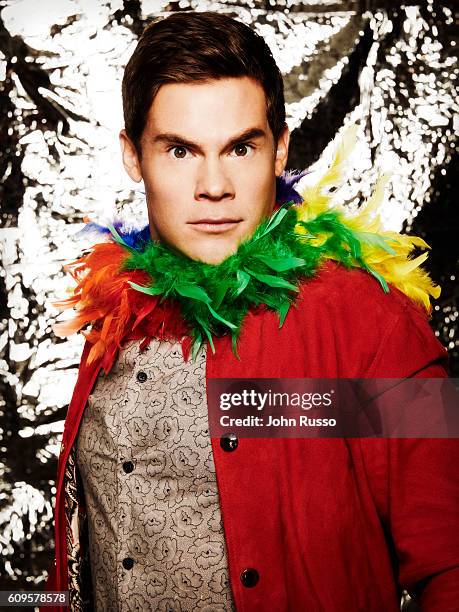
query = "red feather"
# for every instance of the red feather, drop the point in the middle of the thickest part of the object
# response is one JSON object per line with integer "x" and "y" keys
{"x": 116, "y": 311}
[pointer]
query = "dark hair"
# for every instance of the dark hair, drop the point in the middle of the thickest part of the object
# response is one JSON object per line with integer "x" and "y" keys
{"x": 197, "y": 46}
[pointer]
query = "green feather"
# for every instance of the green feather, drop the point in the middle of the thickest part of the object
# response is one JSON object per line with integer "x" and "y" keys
{"x": 375, "y": 240}
{"x": 379, "y": 277}
{"x": 220, "y": 293}
{"x": 266, "y": 269}
{"x": 286, "y": 263}
{"x": 234, "y": 346}
{"x": 221, "y": 319}
{"x": 195, "y": 347}
{"x": 207, "y": 332}
{"x": 243, "y": 280}
{"x": 282, "y": 311}
{"x": 147, "y": 290}
{"x": 192, "y": 291}
{"x": 272, "y": 281}
{"x": 117, "y": 238}
{"x": 273, "y": 222}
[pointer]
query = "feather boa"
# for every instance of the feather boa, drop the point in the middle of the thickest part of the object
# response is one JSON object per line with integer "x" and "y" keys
{"x": 129, "y": 287}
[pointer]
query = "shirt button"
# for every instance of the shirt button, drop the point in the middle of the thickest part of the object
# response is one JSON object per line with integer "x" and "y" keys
{"x": 229, "y": 442}
{"x": 249, "y": 577}
{"x": 142, "y": 376}
{"x": 128, "y": 563}
{"x": 128, "y": 466}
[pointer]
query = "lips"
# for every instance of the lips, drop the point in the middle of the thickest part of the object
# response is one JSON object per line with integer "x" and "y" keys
{"x": 215, "y": 220}
{"x": 215, "y": 225}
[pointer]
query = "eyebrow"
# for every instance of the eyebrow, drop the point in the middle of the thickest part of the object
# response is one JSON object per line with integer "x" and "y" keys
{"x": 171, "y": 138}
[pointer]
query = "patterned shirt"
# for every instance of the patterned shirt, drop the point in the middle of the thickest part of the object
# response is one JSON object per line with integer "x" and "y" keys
{"x": 156, "y": 539}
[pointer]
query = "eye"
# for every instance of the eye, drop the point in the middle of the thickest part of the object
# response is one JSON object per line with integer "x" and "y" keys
{"x": 179, "y": 151}
{"x": 242, "y": 149}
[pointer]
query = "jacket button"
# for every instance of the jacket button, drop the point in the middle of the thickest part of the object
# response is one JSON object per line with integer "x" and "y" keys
{"x": 229, "y": 442}
{"x": 128, "y": 466}
{"x": 128, "y": 563}
{"x": 249, "y": 577}
{"x": 142, "y": 376}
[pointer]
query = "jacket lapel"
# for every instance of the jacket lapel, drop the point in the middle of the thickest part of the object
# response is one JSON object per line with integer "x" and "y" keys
{"x": 87, "y": 376}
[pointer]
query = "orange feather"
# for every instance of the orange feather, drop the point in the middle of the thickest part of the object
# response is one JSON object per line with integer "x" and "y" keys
{"x": 116, "y": 311}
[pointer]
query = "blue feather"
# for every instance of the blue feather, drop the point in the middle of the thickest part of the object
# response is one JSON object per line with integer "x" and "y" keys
{"x": 285, "y": 191}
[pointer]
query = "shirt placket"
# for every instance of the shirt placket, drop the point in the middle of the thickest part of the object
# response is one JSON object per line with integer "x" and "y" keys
{"x": 128, "y": 490}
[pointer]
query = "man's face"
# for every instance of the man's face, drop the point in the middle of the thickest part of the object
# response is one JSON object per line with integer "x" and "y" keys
{"x": 209, "y": 163}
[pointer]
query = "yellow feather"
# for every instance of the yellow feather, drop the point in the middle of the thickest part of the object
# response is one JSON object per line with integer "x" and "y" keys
{"x": 397, "y": 268}
{"x": 316, "y": 198}
{"x": 367, "y": 218}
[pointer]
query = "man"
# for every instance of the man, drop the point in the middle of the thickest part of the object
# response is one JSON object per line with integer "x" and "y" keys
{"x": 152, "y": 513}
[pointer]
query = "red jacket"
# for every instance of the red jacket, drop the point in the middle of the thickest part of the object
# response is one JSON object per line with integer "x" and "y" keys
{"x": 329, "y": 524}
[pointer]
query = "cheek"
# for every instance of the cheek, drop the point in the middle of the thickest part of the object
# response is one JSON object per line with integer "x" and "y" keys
{"x": 263, "y": 192}
{"x": 156, "y": 183}
{"x": 262, "y": 178}
{"x": 169, "y": 182}
{"x": 161, "y": 191}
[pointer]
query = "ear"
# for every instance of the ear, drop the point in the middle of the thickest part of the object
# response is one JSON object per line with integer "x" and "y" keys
{"x": 131, "y": 161}
{"x": 282, "y": 151}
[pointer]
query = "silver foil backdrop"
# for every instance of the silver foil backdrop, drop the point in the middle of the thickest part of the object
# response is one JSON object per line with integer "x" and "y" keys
{"x": 391, "y": 68}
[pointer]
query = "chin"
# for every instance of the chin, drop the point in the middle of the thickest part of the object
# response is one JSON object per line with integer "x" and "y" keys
{"x": 214, "y": 252}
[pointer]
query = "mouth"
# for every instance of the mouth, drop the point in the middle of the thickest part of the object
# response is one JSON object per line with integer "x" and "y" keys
{"x": 214, "y": 225}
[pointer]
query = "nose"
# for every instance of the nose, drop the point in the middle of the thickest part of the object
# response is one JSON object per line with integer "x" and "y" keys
{"x": 213, "y": 182}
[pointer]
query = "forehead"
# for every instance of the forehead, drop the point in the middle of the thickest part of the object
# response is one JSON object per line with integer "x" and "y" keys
{"x": 214, "y": 108}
